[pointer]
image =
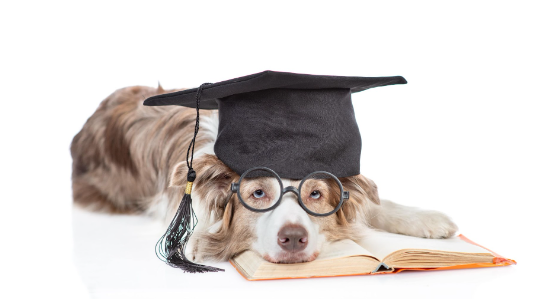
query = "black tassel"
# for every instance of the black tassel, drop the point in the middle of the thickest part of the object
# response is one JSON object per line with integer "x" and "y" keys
{"x": 170, "y": 247}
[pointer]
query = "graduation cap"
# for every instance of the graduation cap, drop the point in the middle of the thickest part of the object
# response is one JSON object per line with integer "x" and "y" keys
{"x": 292, "y": 123}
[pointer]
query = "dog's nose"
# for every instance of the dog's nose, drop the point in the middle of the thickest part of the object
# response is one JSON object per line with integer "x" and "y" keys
{"x": 293, "y": 238}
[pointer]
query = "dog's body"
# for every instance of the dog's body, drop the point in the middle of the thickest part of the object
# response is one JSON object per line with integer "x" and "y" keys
{"x": 130, "y": 159}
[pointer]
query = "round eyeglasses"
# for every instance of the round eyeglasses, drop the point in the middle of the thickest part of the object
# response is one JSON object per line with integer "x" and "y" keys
{"x": 320, "y": 193}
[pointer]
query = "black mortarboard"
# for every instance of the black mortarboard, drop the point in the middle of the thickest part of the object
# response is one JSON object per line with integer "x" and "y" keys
{"x": 292, "y": 123}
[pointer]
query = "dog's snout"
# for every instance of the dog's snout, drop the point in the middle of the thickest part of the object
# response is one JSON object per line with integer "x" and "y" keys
{"x": 293, "y": 238}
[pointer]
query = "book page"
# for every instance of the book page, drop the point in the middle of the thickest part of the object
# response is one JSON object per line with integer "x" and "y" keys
{"x": 382, "y": 244}
{"x": 338, "y": 249}
{"x": 250, "y": 261}
{"x": 338, "y": 258}
{"x": 343, "y": 248}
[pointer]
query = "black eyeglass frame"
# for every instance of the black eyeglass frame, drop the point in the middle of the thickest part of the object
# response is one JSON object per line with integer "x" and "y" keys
{"x": 344, "y": 195}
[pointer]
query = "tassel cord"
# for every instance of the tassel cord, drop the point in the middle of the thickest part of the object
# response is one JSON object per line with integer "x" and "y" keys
{"x": 196, "y": 126}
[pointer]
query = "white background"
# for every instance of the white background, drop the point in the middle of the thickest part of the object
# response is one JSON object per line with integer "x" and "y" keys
{"x": 473, "y": 134}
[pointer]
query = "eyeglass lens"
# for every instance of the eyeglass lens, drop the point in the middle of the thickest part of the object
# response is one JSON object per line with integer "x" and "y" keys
{"x": 320, "y": 193}
{"x": 260, "y": 189}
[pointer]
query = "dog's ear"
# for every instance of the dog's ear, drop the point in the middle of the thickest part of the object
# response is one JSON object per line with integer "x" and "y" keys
{"x": 363, "y": 186}
{"x": 178, "y": 176}
{"x": 213, "y": 176}
{"x": 361, "y": 190}
{"x": 212, "y": 184}
{"x": 160, "y": 89}
{"x": 370, "y": 188}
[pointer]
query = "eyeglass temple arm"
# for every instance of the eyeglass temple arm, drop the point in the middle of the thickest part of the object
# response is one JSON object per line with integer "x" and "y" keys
{"x": 234, "y": 187}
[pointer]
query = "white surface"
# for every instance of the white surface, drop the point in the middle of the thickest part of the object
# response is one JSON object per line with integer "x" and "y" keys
{"x": 473, "y": 134}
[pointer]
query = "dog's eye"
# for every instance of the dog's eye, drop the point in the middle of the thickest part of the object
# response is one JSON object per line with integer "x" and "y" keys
{"x": 258, "y": 194}
{"x": 315, "y": 194}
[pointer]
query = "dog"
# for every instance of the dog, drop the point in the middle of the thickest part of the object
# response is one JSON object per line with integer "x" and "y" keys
{"x": 130, "y": 159}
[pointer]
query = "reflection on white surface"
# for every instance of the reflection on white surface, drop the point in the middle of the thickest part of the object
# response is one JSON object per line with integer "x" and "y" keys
{"x": 115, "y": 255}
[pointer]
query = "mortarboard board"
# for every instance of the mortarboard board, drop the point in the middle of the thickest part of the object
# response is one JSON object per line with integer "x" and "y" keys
{"x": 294, "y": 124}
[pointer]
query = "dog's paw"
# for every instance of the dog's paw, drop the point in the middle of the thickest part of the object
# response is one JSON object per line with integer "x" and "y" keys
{"x": 434, "y": 225}
{"x": 190, "y": 251}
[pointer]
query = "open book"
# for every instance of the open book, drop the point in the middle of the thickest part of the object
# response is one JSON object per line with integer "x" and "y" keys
{"x": 381, "y": 252}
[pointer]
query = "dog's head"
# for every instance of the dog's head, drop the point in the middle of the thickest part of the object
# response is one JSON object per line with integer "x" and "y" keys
{"x": 286, "y": 234}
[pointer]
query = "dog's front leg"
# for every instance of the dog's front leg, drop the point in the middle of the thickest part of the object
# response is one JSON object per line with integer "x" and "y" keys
{"x": 396, "y": 218}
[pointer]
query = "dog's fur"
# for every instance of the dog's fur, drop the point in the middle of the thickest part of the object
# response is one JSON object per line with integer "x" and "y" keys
{"x": 130, "y": 159}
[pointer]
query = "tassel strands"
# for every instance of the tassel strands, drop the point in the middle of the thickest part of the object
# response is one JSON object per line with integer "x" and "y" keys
{"x": 170, "y": 247}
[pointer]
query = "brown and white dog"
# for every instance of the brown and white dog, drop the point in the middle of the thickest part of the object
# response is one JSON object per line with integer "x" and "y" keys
{"x": 130, "y": 159}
